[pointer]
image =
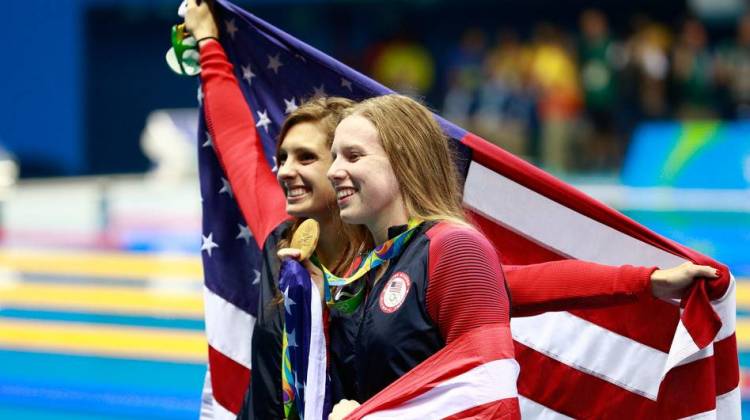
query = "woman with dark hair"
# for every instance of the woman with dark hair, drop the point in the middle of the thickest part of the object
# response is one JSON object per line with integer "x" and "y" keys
{"x": 273, "y": 206}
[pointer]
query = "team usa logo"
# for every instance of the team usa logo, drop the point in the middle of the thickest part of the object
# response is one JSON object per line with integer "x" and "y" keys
{"x": 394, "y": 293}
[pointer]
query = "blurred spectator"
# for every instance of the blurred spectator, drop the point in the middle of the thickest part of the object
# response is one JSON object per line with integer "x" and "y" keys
{"x": 505, "y": 103}
{"x": 598, "y": 57}
{"x": 574, "y": 106}
{"x": 733, "y": 70}
{"x": 646, "y": 61}
{"x": 555, "y": 78}
{"x": 464, "y": 70}
{"x": 693, "y": 76}
{"x": 404, "y": 65}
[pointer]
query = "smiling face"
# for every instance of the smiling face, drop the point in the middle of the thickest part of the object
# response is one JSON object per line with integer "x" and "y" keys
{"x": 367, "y": 191}
{"x": 303, "y": 159}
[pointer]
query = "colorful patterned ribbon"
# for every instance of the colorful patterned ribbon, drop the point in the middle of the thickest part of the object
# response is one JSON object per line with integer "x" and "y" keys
{"x": 287, "y": 379}
{"x": 346, "y": 300}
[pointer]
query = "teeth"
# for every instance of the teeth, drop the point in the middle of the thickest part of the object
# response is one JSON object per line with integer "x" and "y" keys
{"x": 344, "y": 193}
{"x": 296, "y": 192}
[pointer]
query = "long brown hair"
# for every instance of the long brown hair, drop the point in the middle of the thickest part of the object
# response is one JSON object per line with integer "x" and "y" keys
{"x": 420, "y": 155}
{"x": 326, "y": 113}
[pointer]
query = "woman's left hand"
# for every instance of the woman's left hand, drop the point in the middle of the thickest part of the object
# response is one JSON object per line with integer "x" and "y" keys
{"x": 199, "y": 20}
{"x": 342, "y": 409}
{"x": 672, "y": 282}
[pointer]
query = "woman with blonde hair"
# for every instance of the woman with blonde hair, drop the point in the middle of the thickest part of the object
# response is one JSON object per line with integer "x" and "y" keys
{"x": 393, "y": 172}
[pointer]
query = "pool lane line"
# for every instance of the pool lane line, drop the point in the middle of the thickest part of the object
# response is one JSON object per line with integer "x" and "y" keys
{"x": 196, "y": 324}
{"x": 110, "y": 341}
{"x": 103, "y": 264}
{"x": 103, "y": 299}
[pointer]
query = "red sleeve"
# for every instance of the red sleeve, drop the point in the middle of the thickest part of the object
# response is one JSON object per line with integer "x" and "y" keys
{"x": 232, "y": 128}
{"x": 466, "y": 288}
{"x": 571, "y": 284}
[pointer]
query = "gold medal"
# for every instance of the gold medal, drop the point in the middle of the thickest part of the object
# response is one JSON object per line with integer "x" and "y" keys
{"x": 305, "y": 238}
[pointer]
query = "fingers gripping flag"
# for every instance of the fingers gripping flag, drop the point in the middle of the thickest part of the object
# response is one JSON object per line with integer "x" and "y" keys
{"x": 647, "y": 359}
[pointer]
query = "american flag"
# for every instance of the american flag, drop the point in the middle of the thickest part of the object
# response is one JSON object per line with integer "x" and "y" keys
{"x": 305, "y": 338}
{"x": 649, "y": 359}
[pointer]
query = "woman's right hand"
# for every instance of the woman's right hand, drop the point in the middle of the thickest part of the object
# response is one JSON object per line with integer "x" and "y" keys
{"x": 199, "y": 20}
{"x": 671, "y": 283}
{"x": 316, "y": 274}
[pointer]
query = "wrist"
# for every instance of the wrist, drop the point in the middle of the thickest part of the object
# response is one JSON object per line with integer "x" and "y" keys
{"x": 203, "y": 40}
{"x": 658, "y": 278}
{"x": 660, "y": 286}
{"x": 205, "y": 32}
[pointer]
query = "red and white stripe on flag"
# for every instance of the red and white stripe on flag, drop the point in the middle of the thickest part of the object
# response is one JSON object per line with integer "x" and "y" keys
{"x": 473, "y": 377}
{"x": 650, "y": 359}
{"x": 228, "y": 329}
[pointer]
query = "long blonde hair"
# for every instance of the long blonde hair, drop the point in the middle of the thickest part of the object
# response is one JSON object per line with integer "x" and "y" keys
{"x": 420, "y": 156}
{"x": 326, "y": 113}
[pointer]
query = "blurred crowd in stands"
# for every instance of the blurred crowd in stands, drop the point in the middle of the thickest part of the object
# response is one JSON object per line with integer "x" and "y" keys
{"x": 569, "y": 101}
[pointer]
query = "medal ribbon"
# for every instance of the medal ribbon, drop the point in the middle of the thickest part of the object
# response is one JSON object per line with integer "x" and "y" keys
{"x": 388, "y": 250}
{"x": 287, "y": 378}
